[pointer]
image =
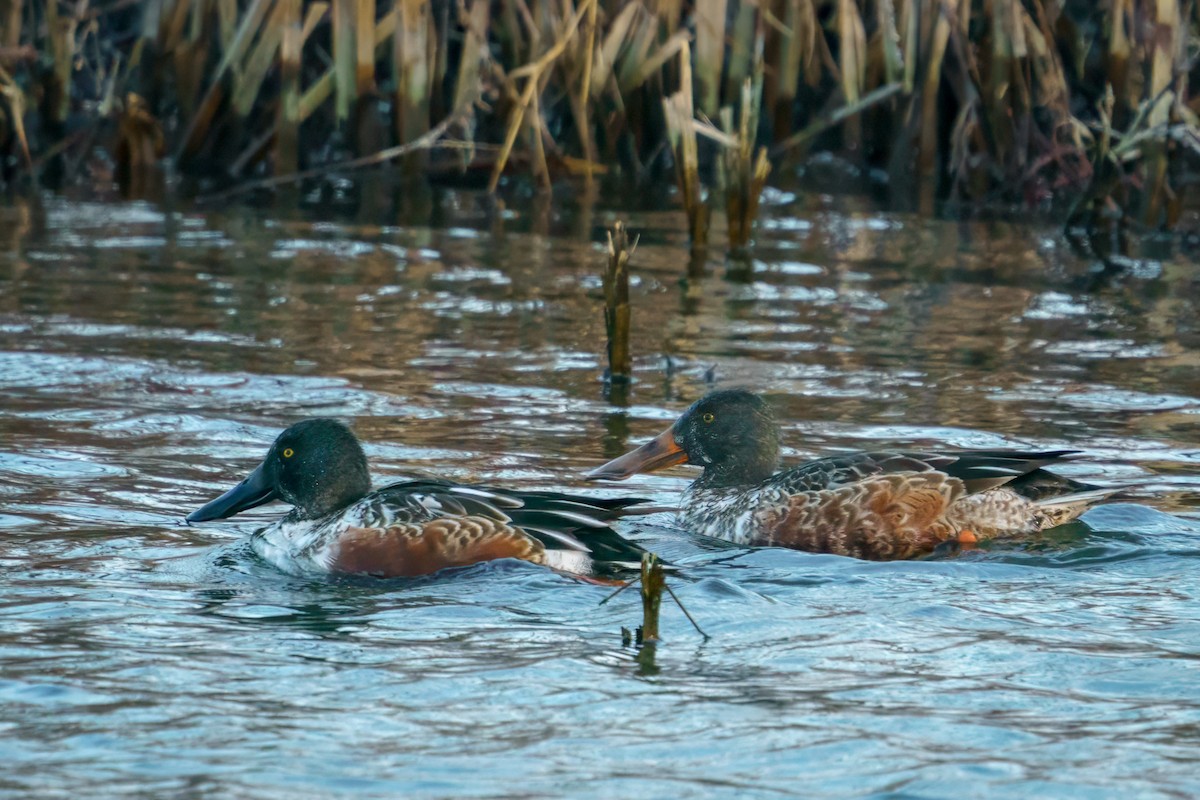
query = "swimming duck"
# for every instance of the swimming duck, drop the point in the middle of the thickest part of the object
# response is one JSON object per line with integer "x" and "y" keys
{"x": 338, "y": 524}
{"x": 877, "y": 505}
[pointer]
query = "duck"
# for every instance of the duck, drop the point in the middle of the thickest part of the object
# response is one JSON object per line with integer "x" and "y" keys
{"x": 338, "y": 524}
{"x": 880, "y": 506}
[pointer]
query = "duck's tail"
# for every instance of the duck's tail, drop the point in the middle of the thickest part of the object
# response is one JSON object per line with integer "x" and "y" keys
{"x": 1054, "y": 511}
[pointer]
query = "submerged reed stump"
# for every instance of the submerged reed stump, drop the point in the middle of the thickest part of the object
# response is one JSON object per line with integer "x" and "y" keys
{"x": 616, "y": 303}
{"x": 653, "y": 583}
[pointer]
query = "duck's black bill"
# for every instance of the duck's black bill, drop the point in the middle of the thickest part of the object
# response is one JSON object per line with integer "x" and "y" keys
{"x": 658, "y": 453}
{"x": 253, "y": 491}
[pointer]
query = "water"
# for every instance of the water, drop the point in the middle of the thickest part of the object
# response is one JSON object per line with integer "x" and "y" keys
{"x": 147, "y": 360}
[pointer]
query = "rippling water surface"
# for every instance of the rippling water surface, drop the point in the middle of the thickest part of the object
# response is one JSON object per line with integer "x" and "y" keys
{"x": 147, "y": 359}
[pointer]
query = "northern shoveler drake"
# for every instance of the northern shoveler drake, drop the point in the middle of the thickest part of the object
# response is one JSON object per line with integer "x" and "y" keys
{"x": 878, "y": 505}
{"x": 339, "y": 525}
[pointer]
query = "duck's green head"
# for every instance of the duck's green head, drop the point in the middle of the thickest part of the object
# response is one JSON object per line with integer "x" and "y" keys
{"x": 317, "y": 465}
{"x": 731, "y": 433}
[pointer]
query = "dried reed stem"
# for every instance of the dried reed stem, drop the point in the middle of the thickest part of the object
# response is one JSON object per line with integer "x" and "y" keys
{"x": 345, "y": 52}
{"x": 61, "y": 35}
{"x": 583, "y": 101}
{"x": 1163, "y": 65}
{"x": 836, "y": 117}
{"x": 681, "y": 133}
{"x": 474, "y": 51}
{"x": 532, "y": 72}
{"x": 654, "y": 581}
{"x": 541, "y": 170}
{"x": 927, "y": 137}
{"x": 742, "y": 46}
{"x": 198, "y": 124}
{"x": 316, "y": 94}
{"x": 139, "y": 147}
{"x": 364, "y": 48}
{"x": 616, "y": 303}
{"x": 710, "y": 53}
{"x": 249, "y": 79}
{"x": 15, "y": 98}
{"x": 10, "y": 24}
{"x": 288, "y": 121}
{"x": 745, "y": 173}
{"x": 412, "y": 68}
{"x": 852, "y": 60}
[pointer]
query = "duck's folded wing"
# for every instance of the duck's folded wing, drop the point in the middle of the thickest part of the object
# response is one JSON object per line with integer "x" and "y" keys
{"x": 979, "y": 470}
{"x": 575, "y": 522}
{"x": 424, "y": 500}
{"x": 558, "y": 521}
{"x": 605, "y": 508}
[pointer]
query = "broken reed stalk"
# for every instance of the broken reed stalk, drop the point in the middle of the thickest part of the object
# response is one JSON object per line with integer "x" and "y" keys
{"x": 616, "y": 303}
{"x": 680, "y": 114}
{"x": 745, "y": 173}
{"x": 654, "y": 581}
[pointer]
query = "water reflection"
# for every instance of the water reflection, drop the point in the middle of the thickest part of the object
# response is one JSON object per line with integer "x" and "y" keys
{"x": 145, "y": 358}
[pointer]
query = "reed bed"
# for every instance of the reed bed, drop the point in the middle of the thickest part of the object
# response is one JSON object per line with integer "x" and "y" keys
{"x": 1079, "y": 105}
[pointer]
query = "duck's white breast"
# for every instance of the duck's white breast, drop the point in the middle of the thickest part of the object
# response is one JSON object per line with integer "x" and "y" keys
{"x": 299, "y": 547}
{"x": 727, "y": 513}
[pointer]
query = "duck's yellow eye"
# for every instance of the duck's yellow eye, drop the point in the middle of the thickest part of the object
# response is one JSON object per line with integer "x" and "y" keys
{"x": 288, "y": 452}
{"x": 708, "y": 418}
